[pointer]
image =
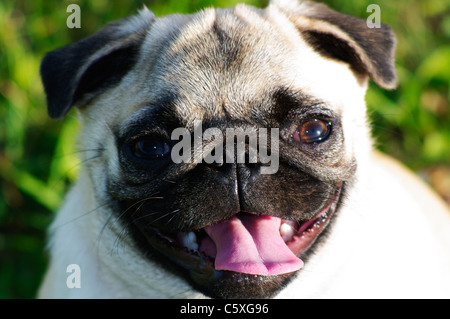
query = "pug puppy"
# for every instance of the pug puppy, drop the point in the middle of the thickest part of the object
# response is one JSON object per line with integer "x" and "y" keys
{"x": 336, "y": 220}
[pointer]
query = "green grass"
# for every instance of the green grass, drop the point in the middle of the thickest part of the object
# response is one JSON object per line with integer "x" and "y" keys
{"x": 38, "y": 159}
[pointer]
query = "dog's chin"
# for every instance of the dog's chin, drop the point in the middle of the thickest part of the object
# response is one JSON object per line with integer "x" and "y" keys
{"x": 183, "y": 254}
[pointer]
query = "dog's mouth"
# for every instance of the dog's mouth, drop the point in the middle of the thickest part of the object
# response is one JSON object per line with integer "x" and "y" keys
{"x": 253, "y": 246}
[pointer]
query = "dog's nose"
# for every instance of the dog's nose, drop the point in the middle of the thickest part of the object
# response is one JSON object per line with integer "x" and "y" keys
{"x": 232, "y": 158}
{"x": 215, "y": 164}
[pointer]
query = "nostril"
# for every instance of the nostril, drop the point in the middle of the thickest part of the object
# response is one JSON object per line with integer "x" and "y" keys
{"x": 214, "y": 164}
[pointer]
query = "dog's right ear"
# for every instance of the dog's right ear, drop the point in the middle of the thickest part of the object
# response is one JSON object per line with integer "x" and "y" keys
{"x": 76, "y": 73}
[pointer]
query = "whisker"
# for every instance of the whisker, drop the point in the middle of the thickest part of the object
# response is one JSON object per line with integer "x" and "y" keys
{"x": 122, "y": 235}
{"x": 174, "y": 214}
{"x": 80, "y": 151}
{"x": 61, "y": 179}
{"x": 159, "y": 218}
{"x": 81, "y": 216}
{"x": 124, "y": 212}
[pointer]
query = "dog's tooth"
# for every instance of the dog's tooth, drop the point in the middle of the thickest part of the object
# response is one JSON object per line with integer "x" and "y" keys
{"x": 286, "y": 231}
{"x": 188, "y": 240}
{"x": 192, "y": 240}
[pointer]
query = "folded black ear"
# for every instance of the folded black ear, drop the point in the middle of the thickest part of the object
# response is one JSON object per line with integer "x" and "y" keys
{"x": 367, "y": 50}
{"x": 76, "y": 73}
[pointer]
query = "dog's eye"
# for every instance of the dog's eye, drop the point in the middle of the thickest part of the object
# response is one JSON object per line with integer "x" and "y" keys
{"x": 312, "y": 131}
{"x": 151, "y": 148}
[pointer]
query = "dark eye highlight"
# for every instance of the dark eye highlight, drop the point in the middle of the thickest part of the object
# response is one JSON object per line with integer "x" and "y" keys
{"x": 312, "y": 131}
{"x": 150, "y": 148}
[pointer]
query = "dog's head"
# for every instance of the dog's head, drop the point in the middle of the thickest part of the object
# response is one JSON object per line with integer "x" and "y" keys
{"x": 227, "y": 227}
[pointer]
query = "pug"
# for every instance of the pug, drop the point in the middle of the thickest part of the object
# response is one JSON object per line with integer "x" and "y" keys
{"x": 336, "y": 220}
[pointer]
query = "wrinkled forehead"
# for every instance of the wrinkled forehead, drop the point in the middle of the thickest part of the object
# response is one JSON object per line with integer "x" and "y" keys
{"x": 229, "y": 62}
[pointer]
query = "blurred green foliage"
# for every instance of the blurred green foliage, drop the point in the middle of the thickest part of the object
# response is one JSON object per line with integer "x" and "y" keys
{"x": 38, "y": 159}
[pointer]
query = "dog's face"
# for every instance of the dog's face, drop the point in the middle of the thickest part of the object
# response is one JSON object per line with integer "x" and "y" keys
{"x": 226, "y": 228}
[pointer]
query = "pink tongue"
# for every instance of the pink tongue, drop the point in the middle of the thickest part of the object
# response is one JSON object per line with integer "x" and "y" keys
{"x": 251, "y": 244}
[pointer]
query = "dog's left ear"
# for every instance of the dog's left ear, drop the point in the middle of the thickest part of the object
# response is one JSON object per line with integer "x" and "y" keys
{"x": 76, "y": 73}
{"x": 367, "y": 50}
